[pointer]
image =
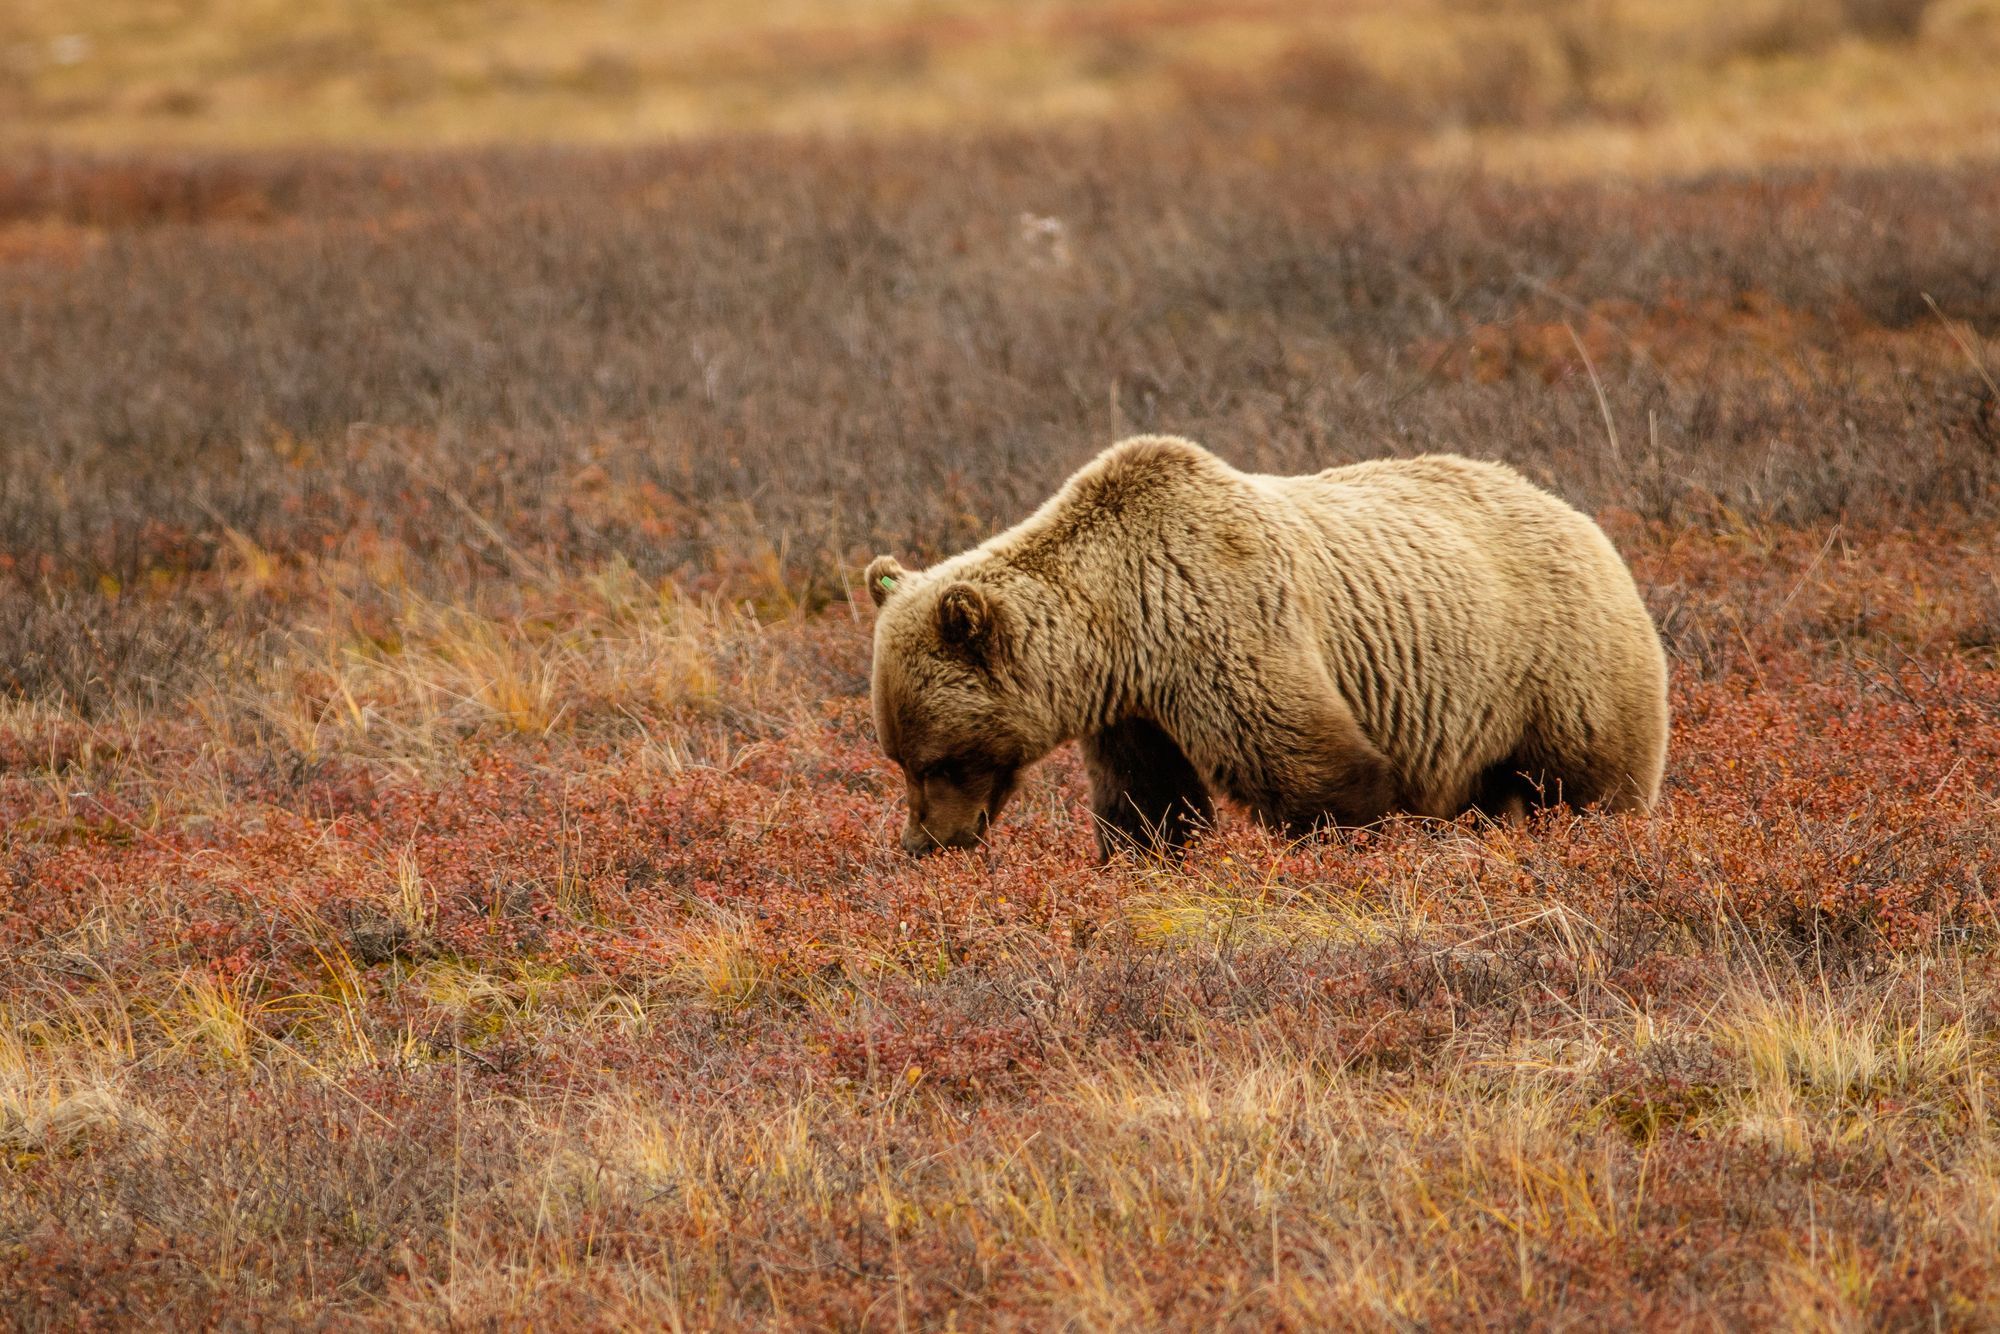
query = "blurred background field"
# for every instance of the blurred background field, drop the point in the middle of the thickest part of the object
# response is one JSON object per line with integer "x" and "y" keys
{"x": 1555, "y": 85}
{"x": 447, "y": 875}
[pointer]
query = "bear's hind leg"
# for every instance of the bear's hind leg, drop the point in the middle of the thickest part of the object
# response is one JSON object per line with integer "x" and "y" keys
{"x": 1516, "y": 786}
{"x": 1143, "y": 792}
{"x": 1506, "y": 793}
{"x": 1334, "y": 776}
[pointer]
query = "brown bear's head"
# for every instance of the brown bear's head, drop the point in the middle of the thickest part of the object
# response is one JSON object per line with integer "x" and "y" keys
{"x": 950, "y": 707}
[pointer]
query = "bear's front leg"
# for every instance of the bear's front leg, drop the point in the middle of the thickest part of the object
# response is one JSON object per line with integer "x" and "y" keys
{"x": 1143, "y": 792}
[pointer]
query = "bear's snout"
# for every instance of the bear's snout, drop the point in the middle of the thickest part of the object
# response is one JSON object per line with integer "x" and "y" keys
{"x": 920, "y": 840}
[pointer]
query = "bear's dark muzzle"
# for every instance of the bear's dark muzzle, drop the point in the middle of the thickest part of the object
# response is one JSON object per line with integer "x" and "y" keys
{"x": 919, "y": 841}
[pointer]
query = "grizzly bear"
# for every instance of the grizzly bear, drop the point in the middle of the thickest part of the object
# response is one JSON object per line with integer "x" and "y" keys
{"x": 1427, "y": 636}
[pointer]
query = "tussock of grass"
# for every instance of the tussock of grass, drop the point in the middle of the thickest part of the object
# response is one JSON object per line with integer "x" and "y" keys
{"x": 60, "y": 1099}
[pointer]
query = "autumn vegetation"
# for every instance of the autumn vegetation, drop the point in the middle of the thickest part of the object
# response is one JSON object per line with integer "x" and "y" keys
{"x": 447, "y": 875}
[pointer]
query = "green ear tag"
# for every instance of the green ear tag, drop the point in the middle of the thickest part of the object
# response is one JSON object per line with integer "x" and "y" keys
{"x": 888, "y": 583}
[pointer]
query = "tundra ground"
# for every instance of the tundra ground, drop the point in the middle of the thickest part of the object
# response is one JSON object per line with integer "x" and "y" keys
{"x": 446, "y": 872}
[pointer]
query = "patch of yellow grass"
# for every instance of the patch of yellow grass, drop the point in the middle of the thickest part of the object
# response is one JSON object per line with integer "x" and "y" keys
{"x": 1826, "y": 1288}
{"x": 1242, "y": 903}
{"x": 1816, "y": 1068}
{"x": 216, "y": 1018}
{"x": 59, "y": 1092}
{"x": 707, "y": 1165}
{"x": 409, "y": 680}
{"x": 484, "y": 1004}
{"x": 413, "y": 904}
{"x": 47, "y": 1113}
{"x": 716, "y": 963}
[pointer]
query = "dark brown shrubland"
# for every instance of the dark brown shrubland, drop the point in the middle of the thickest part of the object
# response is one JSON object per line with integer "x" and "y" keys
{"x": 680, "y": 353}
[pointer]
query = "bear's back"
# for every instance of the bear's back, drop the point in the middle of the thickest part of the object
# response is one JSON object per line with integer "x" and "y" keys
{"x": 1460, "y": 606}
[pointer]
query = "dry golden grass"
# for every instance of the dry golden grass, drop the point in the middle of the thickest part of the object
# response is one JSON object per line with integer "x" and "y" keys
{"x": 1446, "y": 1076}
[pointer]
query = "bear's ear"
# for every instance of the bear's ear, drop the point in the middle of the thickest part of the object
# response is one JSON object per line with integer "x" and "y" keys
{"x": 884, "y": 573}
{"x": 965, "y": 619}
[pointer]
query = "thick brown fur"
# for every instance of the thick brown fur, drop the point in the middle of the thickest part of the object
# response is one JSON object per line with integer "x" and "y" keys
{"x": 1425, "y": 635}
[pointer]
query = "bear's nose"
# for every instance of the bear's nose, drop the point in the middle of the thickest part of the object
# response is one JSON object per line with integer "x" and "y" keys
{"x": 920, "y": 841}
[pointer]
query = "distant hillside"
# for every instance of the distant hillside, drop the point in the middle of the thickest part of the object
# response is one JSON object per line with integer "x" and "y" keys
{"x": 1561, "y": 85}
